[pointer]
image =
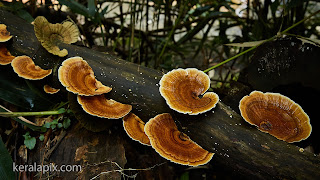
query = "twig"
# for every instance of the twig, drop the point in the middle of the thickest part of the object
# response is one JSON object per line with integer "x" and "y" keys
{"x": 42, "y": 113}
{"x": 61, "y": 136}
{"x": 120, "y": 170}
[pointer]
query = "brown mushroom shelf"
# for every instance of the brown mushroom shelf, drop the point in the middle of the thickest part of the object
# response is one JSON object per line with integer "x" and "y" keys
{"x": 4, "y": 34}
{"x": 181, "y": 89}
{"x": 134, "y": 127}
{"x": 277, "y": 115}
{"x": 174, "y": 145}
{"x": 100, "y": 106}
{"x": 25, "y": 68}
{"x": 77, "y": 76}
{"x": 5, "y": 55}
{"x": 50, "y": 90}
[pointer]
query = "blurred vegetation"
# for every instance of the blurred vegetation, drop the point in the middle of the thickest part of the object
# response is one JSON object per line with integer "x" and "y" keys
{"x": 169, "y": 34}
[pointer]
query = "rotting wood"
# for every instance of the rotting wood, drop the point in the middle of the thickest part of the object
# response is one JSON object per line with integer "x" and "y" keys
{"x": 237, "y": 145}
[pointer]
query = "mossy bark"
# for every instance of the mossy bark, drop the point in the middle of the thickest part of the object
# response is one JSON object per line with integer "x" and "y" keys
{"x": 237, "y": 145}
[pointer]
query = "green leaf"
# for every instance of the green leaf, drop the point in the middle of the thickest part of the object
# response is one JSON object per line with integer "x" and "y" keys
{"x": 25, "y": 15}
{"x": 29, "y": 141}
{"x": 6, "y": 171}
{"x": 103, "y": 11}
{"x": 55, "y": 122}
{"x": 315, "y": 42}
{"x": 66, "y": 123}
{"x": 92, "y": 8}
{"x": 184, "y": 176}
{"x": 41, "y": 137}
{"x": 61, "y": 110}
{"x": 246, "y": 44}
{"x": 47, "y": 125}
{"x": 75, "y": 7}
{"x": 60, "y": 125}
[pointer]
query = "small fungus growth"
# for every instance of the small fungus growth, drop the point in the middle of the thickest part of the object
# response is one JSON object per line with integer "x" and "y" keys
{"x": 50, "y": 90}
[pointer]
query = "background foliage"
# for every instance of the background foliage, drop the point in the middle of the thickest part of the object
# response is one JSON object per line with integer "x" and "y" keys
{"x": 169, "y": 34}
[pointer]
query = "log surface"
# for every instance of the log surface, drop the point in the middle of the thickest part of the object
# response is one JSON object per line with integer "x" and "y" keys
{"x": 237, "y": 145}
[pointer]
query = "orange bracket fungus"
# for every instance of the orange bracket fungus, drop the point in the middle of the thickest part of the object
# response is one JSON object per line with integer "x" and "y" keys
{"x": 50, "y": 35}
{"x": 277, "y": 115}
{"x": 174, "y": 145}
{"x": 100, "y": 106}
{"x": 4, "y": 34}
{"x": 5, "y": 56}
{"x": 134, "y": 127}
{"x": 182, "y": 88}
{"x": 77, "y": 76}
{"x": 50, "y": 90}
{"x": 25, "y": 68}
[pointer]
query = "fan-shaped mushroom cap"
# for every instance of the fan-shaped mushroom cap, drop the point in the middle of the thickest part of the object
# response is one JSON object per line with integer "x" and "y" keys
{"x": 277, "y": 115}
{"x": 50, "y": 90}
{"x": 172, "y": 144}
{"x": 50, "y": 35}
{"x": 5, "y": 56}
{"x": 4, "y": 34}
{"x": 77, "y": 76}
{"x": 100, "y": 106}
{"x": 182, "y": 88}
{"x": 134, "y": 127}
{"x": 25, "y": 68}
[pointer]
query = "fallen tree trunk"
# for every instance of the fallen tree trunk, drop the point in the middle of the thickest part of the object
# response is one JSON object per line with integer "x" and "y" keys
{"x": 237, "y": 145}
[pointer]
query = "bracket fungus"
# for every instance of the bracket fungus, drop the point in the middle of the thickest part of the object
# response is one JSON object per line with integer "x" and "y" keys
{"x": 25, "y": 68}
{"x": 134, "y": 127}
{"x": 174, "y": 145}
{"x": 50, "y": 35}
{"x": 182, "y": 88}
{"x": 277, "y": 115}
{"x": 5, "y": 55}
{"x": 100, "y": 106}
{"x": 50, "y": 90}
{"x": 4, "y": 34}
{"x": 78, "y": 77}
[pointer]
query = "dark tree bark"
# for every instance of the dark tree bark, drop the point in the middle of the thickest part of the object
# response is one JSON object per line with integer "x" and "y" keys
{"x": 237, "y": 145}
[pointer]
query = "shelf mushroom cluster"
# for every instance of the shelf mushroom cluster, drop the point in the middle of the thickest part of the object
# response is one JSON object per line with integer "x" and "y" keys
{"x": 78, "y": 77}
{"x": 181, "y": 89}
{"x": 185, "y": 91}
{"x": 22, "y": 65}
